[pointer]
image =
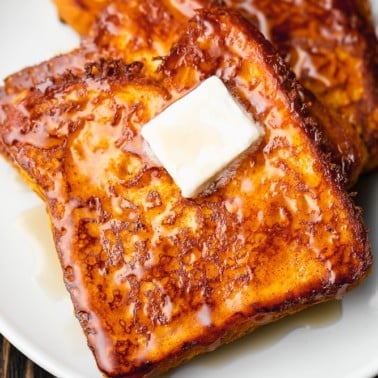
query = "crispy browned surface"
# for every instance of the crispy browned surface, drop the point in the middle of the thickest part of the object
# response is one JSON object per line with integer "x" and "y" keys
{"x": 138, "y": 31}
{"x": 80, "y": 14}
{"x": 141, "y": 31}
{"x": 333, "y": 50}
{"x": 155, "y": 278}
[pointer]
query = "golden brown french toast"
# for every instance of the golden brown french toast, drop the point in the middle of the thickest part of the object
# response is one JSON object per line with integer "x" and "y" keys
{"x": 134, "y": 31}
{"x": 80, "y": 14}
{"x": 331, "y": 46}
{"x": 156, "y": 278}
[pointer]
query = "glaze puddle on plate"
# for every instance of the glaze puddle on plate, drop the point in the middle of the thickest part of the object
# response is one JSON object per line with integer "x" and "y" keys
{"x": 34, "y": 225}
{"x": 265, "y": 337}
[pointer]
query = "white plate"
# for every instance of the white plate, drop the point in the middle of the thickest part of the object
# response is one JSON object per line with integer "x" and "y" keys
{"x": 338, "y": 339}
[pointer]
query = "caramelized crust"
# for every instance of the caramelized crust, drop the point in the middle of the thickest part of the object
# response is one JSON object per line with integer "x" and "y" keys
{"x": 332, "y": 48}
{"x": 144, "y": 31}
{"x": 80, "y": 14}
{"x": 330, "y": 45}
{"x": 155, "y": 278}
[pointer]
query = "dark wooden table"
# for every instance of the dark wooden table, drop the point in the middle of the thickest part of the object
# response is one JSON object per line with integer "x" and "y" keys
{"x": 13, "y": 364}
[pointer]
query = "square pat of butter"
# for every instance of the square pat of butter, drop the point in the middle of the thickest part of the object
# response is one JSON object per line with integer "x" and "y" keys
{"x": 200, "y": 134}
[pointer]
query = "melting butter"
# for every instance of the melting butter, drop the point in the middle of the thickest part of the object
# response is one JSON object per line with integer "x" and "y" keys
{"x": 200, "y": 135}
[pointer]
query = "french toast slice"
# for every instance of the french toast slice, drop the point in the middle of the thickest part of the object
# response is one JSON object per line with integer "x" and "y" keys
{"x": 80, "y": 14}
{"x": 134, "y": 31}
{"x": 333, "y": 50}
{"x": 331, "y": 46}
{"x": 155, "y": 278}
